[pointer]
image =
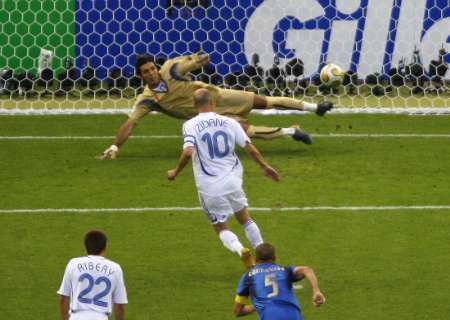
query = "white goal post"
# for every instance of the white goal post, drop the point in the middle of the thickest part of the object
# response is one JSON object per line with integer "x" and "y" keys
{"x": 77, "y": 57}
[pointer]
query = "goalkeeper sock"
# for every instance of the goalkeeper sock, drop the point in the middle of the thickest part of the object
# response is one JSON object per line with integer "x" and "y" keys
{"x": 268, "y": 133}
{"x": 253, "y": 233}
{"x": 231, "y": 241}
{"x": 285, "y": 103}
{"x": 311, "y": 107}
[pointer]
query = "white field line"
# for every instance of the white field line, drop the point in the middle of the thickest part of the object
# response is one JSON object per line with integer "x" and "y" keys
{"x": 261, "y": 209}
{"x": 84, "y": 137}
{"x": 331, "y": 135}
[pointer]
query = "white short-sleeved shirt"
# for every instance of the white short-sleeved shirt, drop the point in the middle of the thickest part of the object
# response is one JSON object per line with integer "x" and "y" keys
{"x": 214, "y": 161}
{"x": 93, "y": 283}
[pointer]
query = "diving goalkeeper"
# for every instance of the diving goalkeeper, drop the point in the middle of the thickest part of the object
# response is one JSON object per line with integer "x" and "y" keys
{"x": 170, "y": 91}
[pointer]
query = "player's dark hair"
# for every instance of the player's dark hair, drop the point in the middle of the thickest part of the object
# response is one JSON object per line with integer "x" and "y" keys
{"x": 265, "y": 252}
{"x": 95, "y": 242}
{"x": 141, "y": 60}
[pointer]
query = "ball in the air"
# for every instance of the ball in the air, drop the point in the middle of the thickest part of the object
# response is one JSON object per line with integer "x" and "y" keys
{"x": 331, "y": 75}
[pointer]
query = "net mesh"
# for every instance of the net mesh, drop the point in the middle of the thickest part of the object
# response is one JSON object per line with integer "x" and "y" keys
{"x": 78, "y": 56}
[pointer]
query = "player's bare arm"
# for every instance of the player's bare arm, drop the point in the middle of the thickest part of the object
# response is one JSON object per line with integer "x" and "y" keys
{"x": 64, "y": 304}
{"x": 306, "y": 272}
{"x": 119, "y": 311}
{"x": 256, "y": 155}
{"x": 241, "y": 309}
{"x": 182, "y": 162}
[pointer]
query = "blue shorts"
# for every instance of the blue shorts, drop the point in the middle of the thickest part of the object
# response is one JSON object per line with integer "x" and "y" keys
{"x": 281, "y": 312}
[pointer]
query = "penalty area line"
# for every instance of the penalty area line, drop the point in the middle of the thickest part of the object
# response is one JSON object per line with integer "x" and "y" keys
{"x": 260, "y": 209}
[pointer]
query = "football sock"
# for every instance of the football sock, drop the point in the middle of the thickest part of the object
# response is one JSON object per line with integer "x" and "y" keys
{"x": 311, "y": 107}
{"x": 288, "y": 131}
{"x": 253, "y": 234}
{"x": 231, "y": 241}
{"x": 285, "y": 103}
{"x": 268, "y": 133}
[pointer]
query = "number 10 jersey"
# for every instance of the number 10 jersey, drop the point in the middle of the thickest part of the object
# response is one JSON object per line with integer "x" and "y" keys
{"x": 217, "y": 168}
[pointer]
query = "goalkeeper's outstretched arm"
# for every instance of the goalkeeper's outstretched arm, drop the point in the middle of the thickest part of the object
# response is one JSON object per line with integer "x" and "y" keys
{"x": 122, "y": 136}
{"x": 190, "y": 63}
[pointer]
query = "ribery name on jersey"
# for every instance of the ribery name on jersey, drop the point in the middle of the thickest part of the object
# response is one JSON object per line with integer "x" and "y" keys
{"x": 99, "y": 267}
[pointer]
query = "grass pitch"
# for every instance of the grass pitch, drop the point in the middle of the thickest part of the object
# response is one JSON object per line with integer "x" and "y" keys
{"x": 372, "y": 264}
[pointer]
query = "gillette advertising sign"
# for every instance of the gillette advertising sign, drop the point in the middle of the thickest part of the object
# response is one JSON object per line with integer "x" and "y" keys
{"x": 366, "y": 36}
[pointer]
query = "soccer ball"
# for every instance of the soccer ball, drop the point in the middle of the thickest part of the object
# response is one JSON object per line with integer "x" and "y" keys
{"x": 331, "y": 75}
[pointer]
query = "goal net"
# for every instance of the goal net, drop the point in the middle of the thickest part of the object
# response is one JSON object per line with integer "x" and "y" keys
{"x": 73, "y": 56}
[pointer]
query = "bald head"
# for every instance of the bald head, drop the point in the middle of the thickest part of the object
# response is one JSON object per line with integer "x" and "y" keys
{"x": 202, "y": 100}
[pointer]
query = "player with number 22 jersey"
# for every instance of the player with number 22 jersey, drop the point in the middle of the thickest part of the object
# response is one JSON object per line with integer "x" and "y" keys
{"x": 93, "y": 284}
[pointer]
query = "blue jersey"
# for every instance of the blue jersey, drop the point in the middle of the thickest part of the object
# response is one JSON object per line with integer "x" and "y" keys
{"x": 270, "y": 286}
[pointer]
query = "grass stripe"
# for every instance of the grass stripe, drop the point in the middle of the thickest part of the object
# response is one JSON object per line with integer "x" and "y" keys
{"x": 331, "y": 135}
{"x": 262, "y": 209}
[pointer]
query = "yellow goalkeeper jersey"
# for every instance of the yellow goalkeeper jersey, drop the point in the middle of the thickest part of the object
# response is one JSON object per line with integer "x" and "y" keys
{"x": 174, "y": 94}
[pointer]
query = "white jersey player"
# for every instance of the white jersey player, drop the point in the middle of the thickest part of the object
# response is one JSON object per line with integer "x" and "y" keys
{"x": 217, "y": 169}
{"x": 92, "y": 285}
{"x": 210, "y": 140}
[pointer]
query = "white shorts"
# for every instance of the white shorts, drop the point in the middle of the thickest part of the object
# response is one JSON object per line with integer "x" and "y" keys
{"x": 88, "y": 315}
{"x": 220, "y": 208}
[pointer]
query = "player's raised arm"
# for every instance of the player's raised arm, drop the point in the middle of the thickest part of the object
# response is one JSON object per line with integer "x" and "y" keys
{"x": 306, "y": 272}
{"x": 256, "y": 155}
{"x": 187, "y": 64}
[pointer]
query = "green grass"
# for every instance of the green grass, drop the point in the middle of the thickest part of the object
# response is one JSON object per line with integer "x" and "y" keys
{"x": 371, "y": 264}
{"x": 81, "y": 100}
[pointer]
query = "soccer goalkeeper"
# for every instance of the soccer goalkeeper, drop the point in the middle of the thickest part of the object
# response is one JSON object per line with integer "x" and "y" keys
{"x": 170, "y": 91}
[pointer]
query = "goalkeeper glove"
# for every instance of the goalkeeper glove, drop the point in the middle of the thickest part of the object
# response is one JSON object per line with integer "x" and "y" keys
{"x": 110, "y": 153}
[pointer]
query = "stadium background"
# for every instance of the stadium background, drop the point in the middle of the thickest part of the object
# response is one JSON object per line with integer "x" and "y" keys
{"x": 367, "y": 205}
{"x": 108, "y": 33}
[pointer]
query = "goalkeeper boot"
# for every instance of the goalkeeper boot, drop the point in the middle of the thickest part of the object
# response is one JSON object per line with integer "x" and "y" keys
{"x": 300, "y": 135}
{"x": 247, "y": 258}
{"x": 323, "y": 107}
